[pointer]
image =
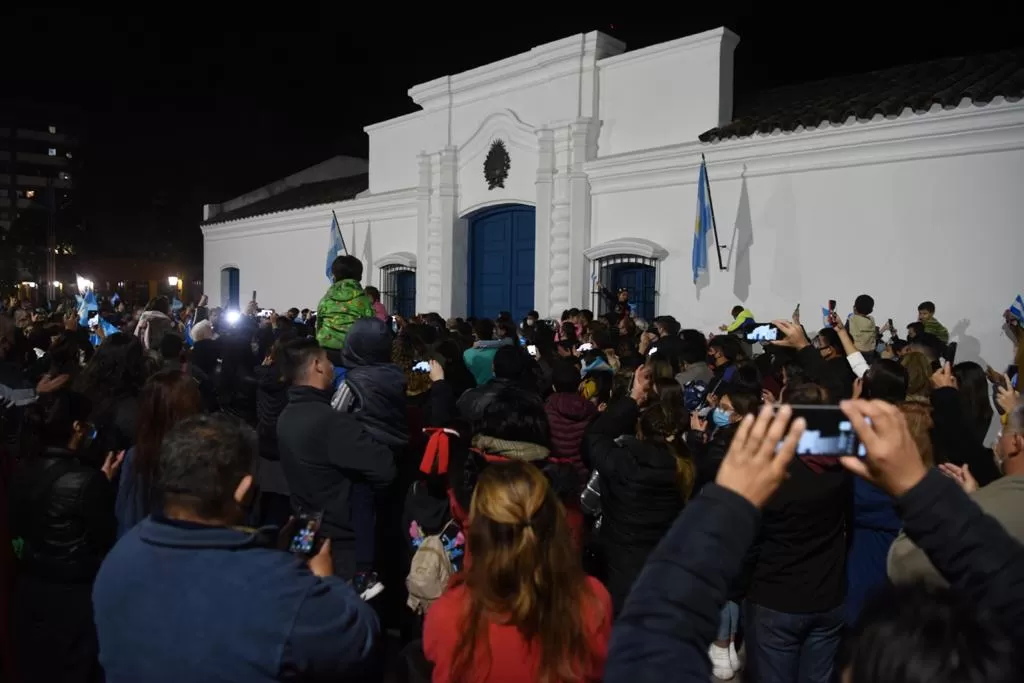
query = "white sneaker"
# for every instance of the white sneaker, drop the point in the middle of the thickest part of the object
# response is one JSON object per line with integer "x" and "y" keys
{"x": 721, "y": 667}
{"x": 734, "y": 658}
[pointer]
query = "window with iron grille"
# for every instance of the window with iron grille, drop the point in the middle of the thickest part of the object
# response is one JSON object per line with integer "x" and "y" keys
{"x": 398, "y": 289}
{"x": 637, "y": 275}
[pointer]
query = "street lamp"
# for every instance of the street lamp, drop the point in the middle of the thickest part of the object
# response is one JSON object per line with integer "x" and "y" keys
{"x": 172, "y": 280}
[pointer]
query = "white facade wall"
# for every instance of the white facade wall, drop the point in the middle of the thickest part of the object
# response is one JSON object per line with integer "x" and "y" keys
{"x": 603, "y": 144}
{"x": 921, "y": 207}
{"x": 283, "y": 255}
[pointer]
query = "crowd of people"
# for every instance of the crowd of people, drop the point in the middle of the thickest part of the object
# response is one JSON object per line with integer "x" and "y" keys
{"x": 345, "y": 494}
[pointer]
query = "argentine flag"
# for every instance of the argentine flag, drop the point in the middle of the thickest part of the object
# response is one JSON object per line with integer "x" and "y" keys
{"x": 1017, "y": 309}
{"x": 703, "y": 223}
{"x": 336, "y": 245}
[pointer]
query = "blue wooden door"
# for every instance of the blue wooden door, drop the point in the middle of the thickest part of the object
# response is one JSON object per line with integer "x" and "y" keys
{"x": 405, "y": 293}
{"x": 229, "y": 284}
{"x": 501, "y": 266}
{"x": 639, "y": 280}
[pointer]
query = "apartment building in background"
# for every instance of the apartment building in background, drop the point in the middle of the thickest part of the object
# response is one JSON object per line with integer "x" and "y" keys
{"x": 37, "y": 179}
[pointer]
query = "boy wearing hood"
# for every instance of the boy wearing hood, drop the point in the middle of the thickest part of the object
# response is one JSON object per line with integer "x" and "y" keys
{"x": 373, "y": 391}
{"x": 343, "y": 304}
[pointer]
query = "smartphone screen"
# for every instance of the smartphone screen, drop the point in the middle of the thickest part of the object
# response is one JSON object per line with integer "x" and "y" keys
{"x": 765, "y": 333}
{"x": 421, "y": 366}
{"x": 829, "y": 432}
{"x": 306, "y": 530}
{"x": 532, "y": 350}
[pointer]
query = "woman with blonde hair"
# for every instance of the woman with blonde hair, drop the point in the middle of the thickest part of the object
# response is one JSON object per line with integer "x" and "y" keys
{"x": 522, "y": 610}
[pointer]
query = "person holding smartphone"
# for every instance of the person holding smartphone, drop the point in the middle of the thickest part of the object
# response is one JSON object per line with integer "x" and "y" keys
{"x": 189, "y": 595}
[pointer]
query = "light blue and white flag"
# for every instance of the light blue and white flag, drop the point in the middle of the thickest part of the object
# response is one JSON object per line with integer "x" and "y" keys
{"x": 1017, "y": 309}
{"x": 336, "y": 246}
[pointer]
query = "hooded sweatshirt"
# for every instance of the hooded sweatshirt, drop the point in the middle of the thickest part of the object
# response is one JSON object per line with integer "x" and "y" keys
{"x": 343, "y": 304}
{"x": 374, "y": 387}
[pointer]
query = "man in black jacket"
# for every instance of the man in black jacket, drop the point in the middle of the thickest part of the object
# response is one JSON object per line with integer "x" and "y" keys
{"x": 672, "y": 613}
{"x": 323, "y": 450}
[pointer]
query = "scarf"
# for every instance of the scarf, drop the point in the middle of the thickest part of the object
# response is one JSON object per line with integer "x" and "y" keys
{"x": 523, "y": 451}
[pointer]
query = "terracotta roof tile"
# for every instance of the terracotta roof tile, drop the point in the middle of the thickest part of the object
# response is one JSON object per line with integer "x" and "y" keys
{"x": 310, "y": 194}
{"x": 979, "y": 78}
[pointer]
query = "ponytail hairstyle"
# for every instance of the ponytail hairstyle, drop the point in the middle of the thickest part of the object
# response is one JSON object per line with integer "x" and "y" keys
{"x": 663, "y": 422}
{"x": 525, "y": 573}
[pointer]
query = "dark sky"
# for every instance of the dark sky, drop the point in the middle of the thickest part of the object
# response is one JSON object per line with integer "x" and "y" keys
{"x": 200, "y": 103}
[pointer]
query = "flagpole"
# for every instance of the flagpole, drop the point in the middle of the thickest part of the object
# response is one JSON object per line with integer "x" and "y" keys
{"x": 711, "y": 205}
{"x": 340, "y": 233}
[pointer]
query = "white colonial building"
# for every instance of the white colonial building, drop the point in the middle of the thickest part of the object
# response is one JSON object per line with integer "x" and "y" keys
{"x": 519, "y": 181}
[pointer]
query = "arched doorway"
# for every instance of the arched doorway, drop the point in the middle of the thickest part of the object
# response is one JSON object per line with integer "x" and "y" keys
{"x": 502, "y": 241}
{"x": 229, "y": 284}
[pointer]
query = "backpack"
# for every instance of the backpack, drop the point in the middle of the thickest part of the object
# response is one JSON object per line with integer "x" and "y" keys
{"x": 430, "y": 570}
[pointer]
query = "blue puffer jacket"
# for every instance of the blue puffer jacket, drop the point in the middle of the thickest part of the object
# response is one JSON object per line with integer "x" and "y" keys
{"x": 176, "y": 601}
{"x": 875, "y": 526}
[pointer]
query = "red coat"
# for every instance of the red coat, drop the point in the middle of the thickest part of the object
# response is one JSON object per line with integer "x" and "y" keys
{"x": 512, "y": 660}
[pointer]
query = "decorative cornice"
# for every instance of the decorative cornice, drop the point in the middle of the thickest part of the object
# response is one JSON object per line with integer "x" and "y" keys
{"x": 405, "y": 259}
{"x": 632, "y": 246}
{"x": 540, "y": 64}
{"x": 966, "y": 129}
{"x": 717, "y": 36}
{"x": 384, "y": 206}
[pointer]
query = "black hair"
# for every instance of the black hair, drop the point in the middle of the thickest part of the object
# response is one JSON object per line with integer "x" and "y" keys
{"x": 587, "y": 314}
{"x": 736, "y": 310}
{"x": 63, "y": 355}
{"x": 171, "y": 345}
{"x": 886, "y": 380}
{"x": 727, "y": 344}
{"x": 50, "y": 423}
{"x": 202, "y": 460}
{"x": 917, "y": 326}
{"x": 914, "y": 633}
{"x": 744, "y": 402}
{"x": 565, "y": 377}
{"x": 926, "y": 306}
{"x": 573, "y": 312}
{"x": 116, "y": 371}
{"x": 974, "y": 398}
{"x": 805, "y": 394}
{"x": 372, "y": 292}
{"x": 864, "y": 304}
{"x": 505, "y": 329}
{"x": 694, "y": 348}
{"x": 483, "y": 329}
{"x": 569, "y": 333}
{"x": 295, "y": 356}
{"x": 347, "y": 268}
{"x": 747, "y": 378}
{"x": 515, "y": 415}
{"x": 533, "y": 314}
{"x": 669, "y": 324}
{"x": 831, "y": 338}
{"x": 513, "y": 363}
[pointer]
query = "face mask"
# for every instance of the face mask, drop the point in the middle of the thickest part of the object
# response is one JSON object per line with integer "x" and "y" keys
{"x": 720, "y": 417}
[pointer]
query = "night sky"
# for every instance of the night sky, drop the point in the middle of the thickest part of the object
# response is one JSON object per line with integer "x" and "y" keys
{"x": 199, "y": 103}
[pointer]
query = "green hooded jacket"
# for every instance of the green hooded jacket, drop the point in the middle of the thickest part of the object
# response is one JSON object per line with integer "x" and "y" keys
{"x": 343, "y": 304}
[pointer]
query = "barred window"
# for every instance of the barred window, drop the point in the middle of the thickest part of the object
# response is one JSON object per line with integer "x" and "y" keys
{"x": 398, "y": 289}
{"x": 635, "y": 274}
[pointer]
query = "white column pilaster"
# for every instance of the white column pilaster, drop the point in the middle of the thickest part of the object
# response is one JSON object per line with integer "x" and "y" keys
{"x": 542, "y": 300}
{"x": 423, "y": 194}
